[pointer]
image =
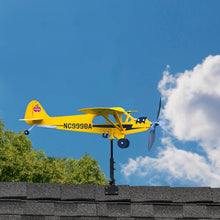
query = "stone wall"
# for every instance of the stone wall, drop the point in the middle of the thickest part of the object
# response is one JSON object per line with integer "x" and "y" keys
{"x": 54, "y": 201}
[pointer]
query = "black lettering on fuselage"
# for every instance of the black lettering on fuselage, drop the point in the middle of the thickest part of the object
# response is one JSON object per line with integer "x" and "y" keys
{"x": 77, "y": 126}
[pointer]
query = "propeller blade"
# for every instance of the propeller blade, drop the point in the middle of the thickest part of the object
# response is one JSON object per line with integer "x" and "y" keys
{"x": 151, "y": 138}
{"x": 161, "y": 123}
{"x": 153, "y": 128}
{"x": 158, "y": 112}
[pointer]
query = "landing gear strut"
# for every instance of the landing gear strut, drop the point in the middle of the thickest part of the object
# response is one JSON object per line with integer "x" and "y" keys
{"x": 26, "y": 132}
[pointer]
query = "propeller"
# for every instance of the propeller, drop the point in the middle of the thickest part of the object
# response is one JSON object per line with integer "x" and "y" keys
{"x": 153, "y": 128}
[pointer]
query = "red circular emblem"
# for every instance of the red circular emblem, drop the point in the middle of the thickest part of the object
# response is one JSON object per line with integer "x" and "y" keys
{"x": 37, "y": 108}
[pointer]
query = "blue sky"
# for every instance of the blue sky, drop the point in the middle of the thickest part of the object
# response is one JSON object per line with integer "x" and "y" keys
{"x": 70, "y": 55}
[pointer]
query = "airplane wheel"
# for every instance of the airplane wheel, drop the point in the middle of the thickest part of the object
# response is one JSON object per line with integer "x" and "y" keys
{"x": 26, "y": 132}
{"x": 123, "y": 143}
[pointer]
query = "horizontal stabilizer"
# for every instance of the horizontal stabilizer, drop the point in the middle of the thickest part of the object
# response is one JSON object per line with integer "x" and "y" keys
{"x": 31, "y": 119}
{"x": 131, "y": 111}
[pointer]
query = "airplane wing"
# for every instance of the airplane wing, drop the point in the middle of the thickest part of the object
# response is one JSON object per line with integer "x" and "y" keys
{"x": 105, "y": 112}
{"x": 102, "y": 111}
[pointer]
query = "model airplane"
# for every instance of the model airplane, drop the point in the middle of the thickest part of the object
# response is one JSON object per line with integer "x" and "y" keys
{"x": 118, "y": 122}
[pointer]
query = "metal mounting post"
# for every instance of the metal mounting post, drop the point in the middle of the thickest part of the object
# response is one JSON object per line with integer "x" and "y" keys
{"x": 112, "y": 181}
{"x": 111, "y": 189}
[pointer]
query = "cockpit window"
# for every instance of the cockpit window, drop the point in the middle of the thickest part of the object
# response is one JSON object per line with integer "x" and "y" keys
{"x": 141, "y": 120}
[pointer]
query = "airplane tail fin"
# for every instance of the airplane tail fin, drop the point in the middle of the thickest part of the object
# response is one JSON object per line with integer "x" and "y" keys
{"x": 34, "y": 112}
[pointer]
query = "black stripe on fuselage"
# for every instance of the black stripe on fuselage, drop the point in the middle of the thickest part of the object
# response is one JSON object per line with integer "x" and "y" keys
{"x": 127, "y": 127}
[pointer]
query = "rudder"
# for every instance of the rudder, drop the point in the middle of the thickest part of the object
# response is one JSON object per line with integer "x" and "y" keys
{"x": 35, "y": 111}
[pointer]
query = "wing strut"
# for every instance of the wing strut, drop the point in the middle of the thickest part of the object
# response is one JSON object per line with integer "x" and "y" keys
{"x": 111, "y": 122}
{"x": 119, "y": 121}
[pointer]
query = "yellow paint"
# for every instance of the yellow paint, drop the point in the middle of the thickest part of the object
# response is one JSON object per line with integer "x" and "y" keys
{"x": 36, "y": 115}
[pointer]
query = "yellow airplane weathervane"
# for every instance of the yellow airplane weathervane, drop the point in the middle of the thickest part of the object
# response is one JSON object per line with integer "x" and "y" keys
{"x": 118, "y": 122}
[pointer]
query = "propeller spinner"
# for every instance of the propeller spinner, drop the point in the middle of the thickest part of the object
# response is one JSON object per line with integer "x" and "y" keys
{"x": 153, "y": 128}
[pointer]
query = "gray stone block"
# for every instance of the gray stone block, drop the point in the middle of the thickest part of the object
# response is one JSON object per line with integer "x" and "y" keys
{"x": 65, "y": 209}
{"x": 77, "y": 192}
{"x": 195, "y": 219}
{"x": 191, "y": 194}
{"x": 69, "y": 218}
{"x": 86, "y": 209}
{"x": 79, "y": 218}
{"x": 168, "y": 211}
{"x": 52, "y": 218}
{"x": 75, "y": 209}
{"x": 195, "y": 211}
{"x": 216, "y": 194}
{"x": 13, "y": 190}
{"x": 108, "y": 218}
{"x": 43, "y": 190}
{"x": 125, "y": 218}
{"x": 39, "y": 208}
{"x": 89, "y": 218}
{"x": 213, "y": 211}
{"x": 32, "y": 217}
{"x": 114, "y": 210}
{"x": 101, "y": 209}
{"x": 10, "y": 217}
{"x": 169, "y": 219}
{"x": 145, "y": 218}
{"x": 39, "y": 217}
{"x": 141, "y": 210}
{"x": 150, "y": 193}
{"x": 11, "y": 207}
{"x": 123, "y": 194}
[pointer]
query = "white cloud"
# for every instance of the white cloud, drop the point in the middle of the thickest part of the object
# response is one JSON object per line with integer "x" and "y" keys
{"x": 192, "y": 103}
{"x": 174, "y": 164}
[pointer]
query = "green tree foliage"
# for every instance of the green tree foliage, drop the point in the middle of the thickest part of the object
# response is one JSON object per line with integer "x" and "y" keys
{"x": 19, "y": 161}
